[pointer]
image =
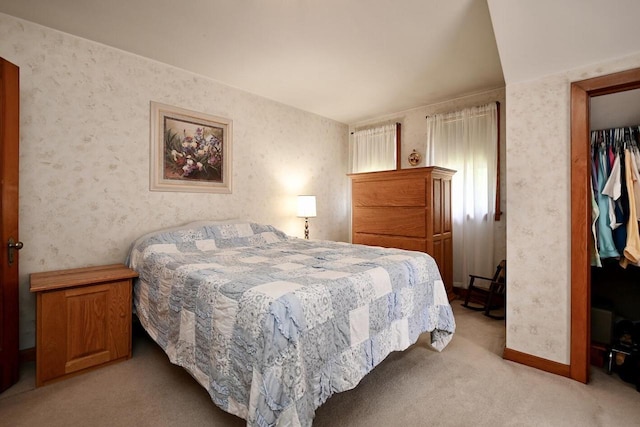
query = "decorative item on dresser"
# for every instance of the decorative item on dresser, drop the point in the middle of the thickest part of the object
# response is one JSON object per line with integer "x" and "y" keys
{"x": 414, "y": 158}
{"x": 406, "y": 209}
{"x": 83, "y": 319}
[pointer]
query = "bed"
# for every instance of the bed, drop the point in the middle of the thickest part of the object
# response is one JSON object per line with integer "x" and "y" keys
{"x": 271, "y": 325}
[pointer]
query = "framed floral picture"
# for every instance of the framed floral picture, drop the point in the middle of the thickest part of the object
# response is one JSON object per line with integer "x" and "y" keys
{"x": 190, "y": 151}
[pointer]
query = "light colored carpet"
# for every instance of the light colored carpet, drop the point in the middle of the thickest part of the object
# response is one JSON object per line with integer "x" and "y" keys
{"x": 467, "y": 384}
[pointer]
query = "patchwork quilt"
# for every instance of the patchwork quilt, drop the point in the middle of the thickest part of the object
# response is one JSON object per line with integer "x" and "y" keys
{"x": 272, "y": 325}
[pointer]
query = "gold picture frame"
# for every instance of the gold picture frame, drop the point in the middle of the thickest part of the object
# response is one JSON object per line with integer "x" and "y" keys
{"x": 190, "y": 151}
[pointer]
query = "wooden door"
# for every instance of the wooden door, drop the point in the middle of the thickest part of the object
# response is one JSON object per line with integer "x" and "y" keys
{"x": 9, "y": 140}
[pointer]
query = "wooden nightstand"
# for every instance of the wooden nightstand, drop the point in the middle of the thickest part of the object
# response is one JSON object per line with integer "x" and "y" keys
{"x": 83, "y": 319}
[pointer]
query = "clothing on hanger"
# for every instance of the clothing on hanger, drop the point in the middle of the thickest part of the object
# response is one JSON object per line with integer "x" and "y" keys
{"x": 615, "y": 195}
{"x": 632, "y": 249}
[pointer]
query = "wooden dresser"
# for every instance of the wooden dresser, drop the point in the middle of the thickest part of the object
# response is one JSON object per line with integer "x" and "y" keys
{"x": 83, "y": 319}
{"x": 406, "y": 209}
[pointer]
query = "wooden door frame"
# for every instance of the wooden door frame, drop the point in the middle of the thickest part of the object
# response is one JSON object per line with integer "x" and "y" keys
{"x": 581, "y": 93}
{"x": 9, "y": 287}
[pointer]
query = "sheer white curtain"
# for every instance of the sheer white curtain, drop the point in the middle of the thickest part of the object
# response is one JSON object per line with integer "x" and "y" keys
{"x": 374, "y": 149}
{"x": 467, "y": 142}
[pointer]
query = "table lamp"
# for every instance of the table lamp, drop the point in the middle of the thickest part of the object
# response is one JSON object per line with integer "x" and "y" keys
{"x": 306, "y": 210}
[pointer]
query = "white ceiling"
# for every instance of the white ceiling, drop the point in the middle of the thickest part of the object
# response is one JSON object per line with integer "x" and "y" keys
{"x": 348, "y": 60}
{"x": 542, "y": 37}
{"x": 351, "y": 60}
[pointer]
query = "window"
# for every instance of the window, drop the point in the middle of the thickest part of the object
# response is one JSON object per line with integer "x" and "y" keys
{"x": 467, "y": 141}
{"x": 374, "y": 149}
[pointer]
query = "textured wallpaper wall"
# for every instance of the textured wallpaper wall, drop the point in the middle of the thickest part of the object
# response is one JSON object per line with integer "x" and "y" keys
{"x": 84, "y": 160}
{"x": 539, "y": 206}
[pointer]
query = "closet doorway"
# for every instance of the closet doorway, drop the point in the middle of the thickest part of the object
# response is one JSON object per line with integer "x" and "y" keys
{"x": 581, "y": 94}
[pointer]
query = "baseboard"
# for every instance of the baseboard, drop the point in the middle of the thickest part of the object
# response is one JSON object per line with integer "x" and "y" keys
{"x": 460, "y": 292}
{"x": 537, "y": 362}
{"x": 27, "y": 355}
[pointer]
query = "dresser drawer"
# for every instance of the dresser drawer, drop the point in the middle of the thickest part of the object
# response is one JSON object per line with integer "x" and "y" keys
{"x": 391, "y": 193}
{"x": 408, "y": 222}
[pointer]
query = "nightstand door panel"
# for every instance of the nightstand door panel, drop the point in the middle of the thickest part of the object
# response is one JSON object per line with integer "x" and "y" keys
{"x": 87, "y": 327}
{"x": 84, "y": 327}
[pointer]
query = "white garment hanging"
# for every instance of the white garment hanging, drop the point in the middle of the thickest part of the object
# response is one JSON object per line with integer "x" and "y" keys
{"x": 632, "y": 249}
{"x": 635, "y": 163}
{"x": 613, "y": 189}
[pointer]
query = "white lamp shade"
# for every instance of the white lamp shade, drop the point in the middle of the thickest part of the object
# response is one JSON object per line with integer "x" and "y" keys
{"x": 306, "y": 206}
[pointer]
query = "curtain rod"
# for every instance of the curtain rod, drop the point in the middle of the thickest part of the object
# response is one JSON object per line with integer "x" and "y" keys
{"x": 480, "y": 115}
{"x": 372, "y": 127}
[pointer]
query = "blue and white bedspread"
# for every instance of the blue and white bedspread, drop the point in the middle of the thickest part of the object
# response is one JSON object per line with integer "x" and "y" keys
{"x": 273, "y": 325}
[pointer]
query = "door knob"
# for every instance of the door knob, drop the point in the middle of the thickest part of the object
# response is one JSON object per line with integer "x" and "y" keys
{"x": 13, "y": 246}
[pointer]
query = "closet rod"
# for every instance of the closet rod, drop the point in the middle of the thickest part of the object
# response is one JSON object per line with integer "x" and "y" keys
{"x": 634, "y": 127}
